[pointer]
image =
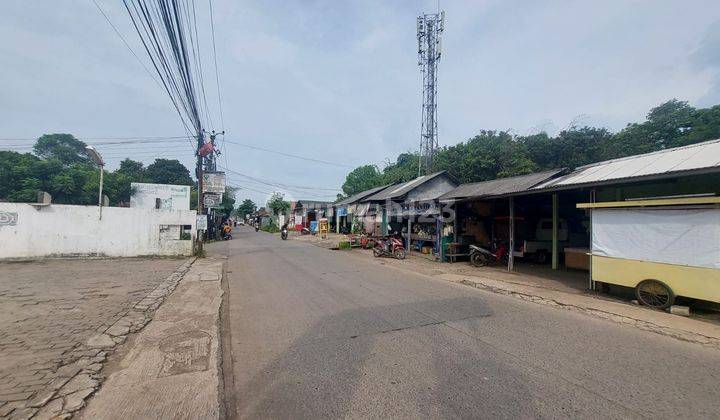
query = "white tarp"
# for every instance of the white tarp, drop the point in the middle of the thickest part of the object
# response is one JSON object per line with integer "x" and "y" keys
{"x": 682, "y": 236}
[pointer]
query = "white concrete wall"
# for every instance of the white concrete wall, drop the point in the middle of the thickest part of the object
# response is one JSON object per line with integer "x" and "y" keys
{"x": 64, "y": 230}
{"x": 176, "y": 197}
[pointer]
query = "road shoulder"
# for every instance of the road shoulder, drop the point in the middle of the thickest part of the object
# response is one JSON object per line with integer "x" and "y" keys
{"x": 172, "y": 369}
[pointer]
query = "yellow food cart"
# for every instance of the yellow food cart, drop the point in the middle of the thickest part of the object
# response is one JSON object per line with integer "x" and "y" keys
{"x": 661, "y": 247}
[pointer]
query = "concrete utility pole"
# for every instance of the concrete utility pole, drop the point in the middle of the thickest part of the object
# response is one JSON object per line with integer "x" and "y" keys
{"x": 95, "y": 156}
{"x": 199, "y": 174}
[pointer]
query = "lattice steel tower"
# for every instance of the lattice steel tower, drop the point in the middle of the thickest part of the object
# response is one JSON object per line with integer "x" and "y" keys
{"x": 429, "y": 35}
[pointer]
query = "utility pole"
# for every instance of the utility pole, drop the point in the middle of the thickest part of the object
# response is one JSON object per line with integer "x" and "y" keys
{"x": 205, "y": 163}
{"x": 199, "y": 174}
{"x": 429, "y": 30}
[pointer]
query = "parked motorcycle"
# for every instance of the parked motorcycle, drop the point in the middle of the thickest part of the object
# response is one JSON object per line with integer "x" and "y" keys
{"x": 390, "y": 247}
{"x": 480, "y": 257}
{"x": 284, "y": 232}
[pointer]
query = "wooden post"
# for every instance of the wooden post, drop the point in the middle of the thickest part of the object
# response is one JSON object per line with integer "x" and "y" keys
{"x": 455, "y": 223}
{"x": 409, "y": 232}
{"x": 555, "y": 256}
{"x": 511, "y": 224}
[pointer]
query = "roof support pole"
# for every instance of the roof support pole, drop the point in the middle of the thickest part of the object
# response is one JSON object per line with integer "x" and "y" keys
{"x": 511, "y": 235}
{"x": 384, "y": 222}
{"x": 409, "y": 232}
{"x": 455, "y": 222}
{"x": 555, "y": 256}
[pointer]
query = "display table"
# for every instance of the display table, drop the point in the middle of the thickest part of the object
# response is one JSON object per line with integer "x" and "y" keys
{"x": 454, "y": 251}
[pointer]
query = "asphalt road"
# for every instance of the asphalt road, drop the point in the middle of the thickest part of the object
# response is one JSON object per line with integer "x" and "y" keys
{"x": 315, "y": 333}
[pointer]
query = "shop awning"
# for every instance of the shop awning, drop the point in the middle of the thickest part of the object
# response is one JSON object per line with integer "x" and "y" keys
{"x": 499, "y": 187}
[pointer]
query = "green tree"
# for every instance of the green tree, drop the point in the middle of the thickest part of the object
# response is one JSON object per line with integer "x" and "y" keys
{"x": 362, "y": 178}
{"x": 228, "y": 201}
{"x": 403, "y": 169}
{"x": 168, "y": 171}
{"x": 132, "y": 169}
{"x": 246, "y": 207}
{"x": 63, "y": 147}
{"x": 277, "y": 203}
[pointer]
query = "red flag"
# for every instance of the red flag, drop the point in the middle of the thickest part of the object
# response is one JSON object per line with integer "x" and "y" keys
{"x": 206, "y": 149}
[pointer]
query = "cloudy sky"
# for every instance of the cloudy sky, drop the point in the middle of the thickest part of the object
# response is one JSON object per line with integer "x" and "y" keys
{"x": 338, "y": 80}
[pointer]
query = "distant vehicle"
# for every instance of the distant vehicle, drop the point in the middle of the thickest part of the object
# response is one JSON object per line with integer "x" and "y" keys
{"x": 241, "y": 223}
{"x": 540, "y": 248}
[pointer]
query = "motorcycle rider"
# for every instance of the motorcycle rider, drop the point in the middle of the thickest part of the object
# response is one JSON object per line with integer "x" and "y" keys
{"x": 226, "y": 231}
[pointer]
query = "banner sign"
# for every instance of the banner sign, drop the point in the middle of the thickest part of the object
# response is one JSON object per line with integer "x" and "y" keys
{"x": 214, "y": 182}
{"x": 415, "y": 209}
{"x": 212, "y": 200}
{"x": 201, "y": 222}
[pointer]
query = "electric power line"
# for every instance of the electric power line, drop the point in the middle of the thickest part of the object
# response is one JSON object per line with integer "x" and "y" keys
{"x": 289, "y": 154}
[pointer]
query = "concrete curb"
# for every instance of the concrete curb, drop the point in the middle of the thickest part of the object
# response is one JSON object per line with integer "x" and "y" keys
{"x": 80, "y": 378}
{"x": 645, "y": 319}
{"x": 172, "y": 368}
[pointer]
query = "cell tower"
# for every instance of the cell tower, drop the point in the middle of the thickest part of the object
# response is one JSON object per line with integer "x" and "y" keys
{"x": 429, "y": 34}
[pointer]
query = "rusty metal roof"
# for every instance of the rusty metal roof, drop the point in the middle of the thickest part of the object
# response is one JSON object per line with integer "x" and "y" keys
{"x": 688, "y": 159}
{"x": 359, "y": 196}
{"x": 499, "y": 187}
{"x": 399, "y": 190}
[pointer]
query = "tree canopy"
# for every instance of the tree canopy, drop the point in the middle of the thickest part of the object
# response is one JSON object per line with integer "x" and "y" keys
{"x": 497, "y": 154}
{"x": 362, "y": 178}
{"x": 277, "y": 203}
{"x": 60, "y": 166}
{"x": 63, "y": 147}
{"x": 246, "y": 207}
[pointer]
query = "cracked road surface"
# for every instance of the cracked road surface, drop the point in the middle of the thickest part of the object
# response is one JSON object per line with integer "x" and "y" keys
{"x": 315, "y": 333}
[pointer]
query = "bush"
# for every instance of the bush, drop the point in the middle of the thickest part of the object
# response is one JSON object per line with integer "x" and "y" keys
{"x": 344, "y": 245}
{"x": 270, "y": 228}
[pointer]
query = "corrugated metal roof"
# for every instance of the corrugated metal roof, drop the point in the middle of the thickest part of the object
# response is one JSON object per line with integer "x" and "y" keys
{"x": 497, "y": 187}
{"x": 399, "y": 190}
{"x": 670, "y": 161}
{"x": 359, "y": 196}
{"x": 313, "y": 204}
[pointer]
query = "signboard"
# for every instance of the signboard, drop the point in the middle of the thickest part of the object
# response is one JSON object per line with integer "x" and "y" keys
{"x": 214, "y": 182}
{"x": 212, "y": 200}
{"x": 160, "y": 196}
{"x": 414, "y": 209}
{"x": 201, "y": 221}
{"x": 8, "y": 218}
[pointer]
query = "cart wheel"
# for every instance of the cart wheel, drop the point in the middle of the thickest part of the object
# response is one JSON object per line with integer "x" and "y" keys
{"x": 376, "y": 252}
{"x": 478, "y": 259}
{"x": 400, "y": 254}
{"x": 655, "y": 294}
